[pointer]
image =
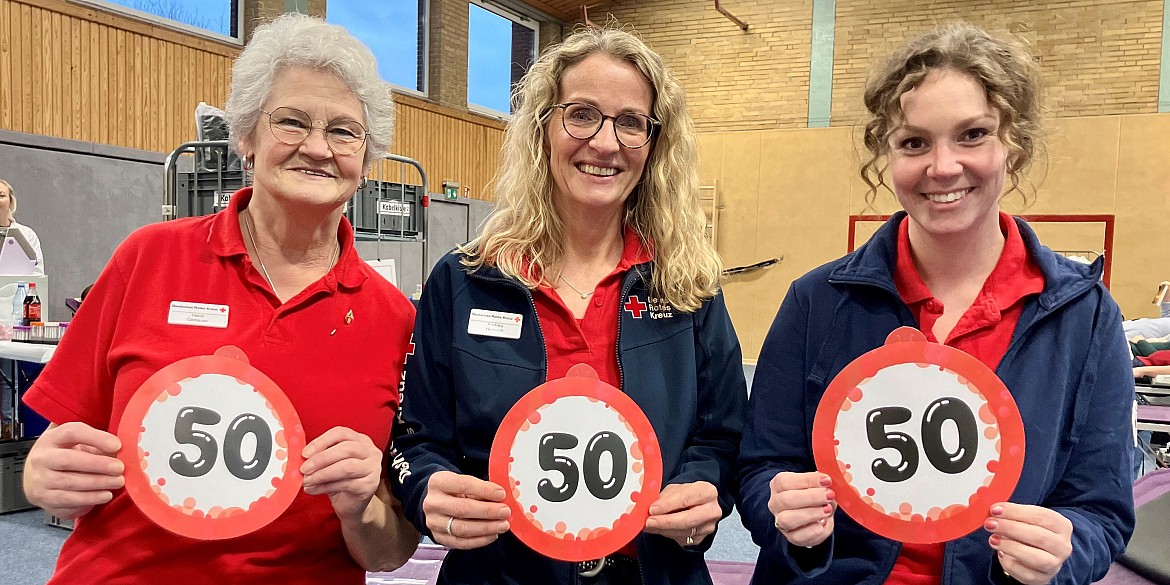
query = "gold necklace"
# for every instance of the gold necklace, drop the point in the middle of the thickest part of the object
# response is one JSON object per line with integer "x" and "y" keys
{"x": 264, "y": 269}
{"x": 584, "y": 295}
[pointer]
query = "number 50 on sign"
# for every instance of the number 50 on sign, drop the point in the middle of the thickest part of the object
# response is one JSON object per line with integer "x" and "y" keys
{"x": 919, "y": 438}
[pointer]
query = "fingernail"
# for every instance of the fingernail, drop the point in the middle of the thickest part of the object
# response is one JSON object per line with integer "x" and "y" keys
{"x": 826, "y": 481}
{"x": 991, "y": 524}
{"x": 824, "y": 522}
{"x": 997, "y": 510}
{"x": 827, "y": 509}
{"x": 502, "y": 527}
{"x": 995, "y": 539}
{"x": 830, "y": 494}
{"x": 504, "y": 513}
{"x": 655, "y": 510}
{"x": 1000, "y": 553}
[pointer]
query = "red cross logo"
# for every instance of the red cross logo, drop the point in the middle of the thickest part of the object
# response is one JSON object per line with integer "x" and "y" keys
{"x": 223, "y": 309}
{"x": 635, "y": 307}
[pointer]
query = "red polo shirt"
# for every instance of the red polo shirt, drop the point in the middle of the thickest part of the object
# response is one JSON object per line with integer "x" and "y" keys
{"x": 592, "y": 339}
{"x": 335, "y": 349}
{"x": 984, "y": 331}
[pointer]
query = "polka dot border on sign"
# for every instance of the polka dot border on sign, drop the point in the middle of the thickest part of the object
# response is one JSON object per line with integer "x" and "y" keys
{"x": 603, "y": 540}
{"x": 190, "y": 518}
{"x": 906, "y": 345}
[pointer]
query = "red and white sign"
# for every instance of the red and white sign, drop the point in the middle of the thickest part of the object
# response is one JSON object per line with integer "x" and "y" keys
{"x": 920, "y": 440}
{"x": 580, "y": 465}
{"x": 212, "y": 447}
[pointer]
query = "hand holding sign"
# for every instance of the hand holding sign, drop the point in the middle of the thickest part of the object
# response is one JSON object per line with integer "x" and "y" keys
{"x": 581, "y": 467}
{"x": 919, "y": 438}
{"x": 463, "y": 511}
{"x": 803, "y": 504}
{"x": 212, "y": 447}
{"x": 1032, "y": 542}
{"x": 71, "y": 469}
{"x": 345, "y": 465}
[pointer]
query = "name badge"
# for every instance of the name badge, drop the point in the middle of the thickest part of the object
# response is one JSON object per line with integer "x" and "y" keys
{"x": 495, "y": 324}
{"x": 198, "y": 314}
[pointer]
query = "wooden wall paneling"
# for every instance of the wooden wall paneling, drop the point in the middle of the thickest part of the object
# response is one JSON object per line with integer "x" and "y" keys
{"x": 22, "y": 39}
{"x": 33, "y": 117}
{"x": 80, "y": 84}
{"x": 6, "y": 64}
{"x": 1143, "y": 213}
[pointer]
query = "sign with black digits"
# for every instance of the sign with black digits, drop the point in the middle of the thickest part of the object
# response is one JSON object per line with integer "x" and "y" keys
{"x": 212, "y": 447}
{"x": 919, "y": 438}
{"x": 580, "y": 464}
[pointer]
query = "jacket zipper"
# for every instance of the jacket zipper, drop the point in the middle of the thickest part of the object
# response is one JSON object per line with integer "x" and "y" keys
{"x": 617, "y": 349}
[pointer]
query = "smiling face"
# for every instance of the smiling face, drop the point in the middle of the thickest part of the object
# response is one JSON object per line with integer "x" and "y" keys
{"x": 598, "y": 173}
{"x": 309, "y": 173}
{"x": 947, "y": 163}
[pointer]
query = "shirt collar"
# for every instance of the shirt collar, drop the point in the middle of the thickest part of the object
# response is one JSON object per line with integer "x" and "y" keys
{"x": 1014, "y": 277}
{"x": 226, "y": 240}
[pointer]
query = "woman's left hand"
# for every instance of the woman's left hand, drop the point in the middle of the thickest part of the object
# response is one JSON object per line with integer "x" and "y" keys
{"x": 686, "y": 513}
{"x": 1032, "y": 542}
{"x": 345, "y": 465}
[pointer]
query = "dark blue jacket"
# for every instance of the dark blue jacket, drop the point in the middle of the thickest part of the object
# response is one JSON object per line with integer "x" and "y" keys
{"x": 1067, "y": 368}
{"x": 684, "y": 372}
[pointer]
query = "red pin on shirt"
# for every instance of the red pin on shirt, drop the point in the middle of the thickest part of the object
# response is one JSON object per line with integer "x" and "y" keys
{"x": 922, "y": 439}
{"x": 212, "y": 447}
{"x": 581, "y": 466}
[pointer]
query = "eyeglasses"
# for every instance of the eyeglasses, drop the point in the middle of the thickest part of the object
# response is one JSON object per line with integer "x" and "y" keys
{"x": 583, "y": 121}
{"x": 292, "y": 127}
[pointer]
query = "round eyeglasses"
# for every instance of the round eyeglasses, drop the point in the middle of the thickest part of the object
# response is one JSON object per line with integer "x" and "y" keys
{"x": 583, "y": 121}
{"x": 292, "y": 127}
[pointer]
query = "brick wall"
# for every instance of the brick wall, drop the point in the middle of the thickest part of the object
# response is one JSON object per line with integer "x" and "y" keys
{"x": 734, "y": 80}
{"x": 447, "y": 81}
{"x": 258, "y": 11}
{"x": 1099, "y": 56}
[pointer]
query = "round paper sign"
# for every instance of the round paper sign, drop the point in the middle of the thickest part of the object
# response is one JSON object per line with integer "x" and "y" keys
{"x": 212, "y": 447}
{"x": 920, "y": 440}
{"x": 580, "y": 465}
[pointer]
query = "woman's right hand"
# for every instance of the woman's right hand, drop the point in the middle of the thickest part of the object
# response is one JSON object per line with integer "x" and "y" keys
{"x": 72, "y": 468}
{"x": 463, "y": 511}
{"x": 803, "y": 507}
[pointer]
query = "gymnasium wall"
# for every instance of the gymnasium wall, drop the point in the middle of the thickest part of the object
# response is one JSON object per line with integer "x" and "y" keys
{"x": 789, "y": 189}
{"x": 72, "y": 71}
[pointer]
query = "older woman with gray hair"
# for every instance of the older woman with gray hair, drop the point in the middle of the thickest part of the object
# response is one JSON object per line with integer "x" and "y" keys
{"x": 273, "y": 280}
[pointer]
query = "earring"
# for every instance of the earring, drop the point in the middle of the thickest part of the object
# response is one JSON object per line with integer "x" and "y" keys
{"x": 248, "y": 163}
{"x": 362, "y": 184}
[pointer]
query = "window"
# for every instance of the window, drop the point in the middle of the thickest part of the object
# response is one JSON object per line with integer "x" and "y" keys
{"x": 500, "y": 48}
{"x": 221, "y": 18}
{"x": 394, "y": 31}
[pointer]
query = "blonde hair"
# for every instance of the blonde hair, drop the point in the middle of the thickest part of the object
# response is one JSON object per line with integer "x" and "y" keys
{"x": 524, "y": 234}
{"x": 11, "y": 197}
{"x": 1001, "y": 64}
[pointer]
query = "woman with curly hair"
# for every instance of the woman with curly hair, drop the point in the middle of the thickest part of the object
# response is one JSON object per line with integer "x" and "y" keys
{"x": 954, "y": 115}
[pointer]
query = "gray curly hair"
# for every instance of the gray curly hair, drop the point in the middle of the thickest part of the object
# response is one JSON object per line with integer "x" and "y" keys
{"x": 295, "y": 40}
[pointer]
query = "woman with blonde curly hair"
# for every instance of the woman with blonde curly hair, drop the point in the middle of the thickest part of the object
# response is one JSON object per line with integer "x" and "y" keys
{"x": 953, "y": 114}
{"x": 597, "y": 247}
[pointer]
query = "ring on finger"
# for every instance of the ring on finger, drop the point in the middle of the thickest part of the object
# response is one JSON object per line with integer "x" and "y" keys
{"x": 691, "y": 536}
{"x": 450, "y": 522}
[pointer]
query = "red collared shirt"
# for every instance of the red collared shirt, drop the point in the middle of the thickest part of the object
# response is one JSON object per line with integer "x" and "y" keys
{"x": 984, "y": 331}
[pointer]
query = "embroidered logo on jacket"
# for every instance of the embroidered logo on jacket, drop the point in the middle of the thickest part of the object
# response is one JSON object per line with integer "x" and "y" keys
{"x": 657, "y": 308}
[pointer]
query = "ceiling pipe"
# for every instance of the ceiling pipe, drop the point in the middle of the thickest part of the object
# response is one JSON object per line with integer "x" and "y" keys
{"x": 743, "y": 25}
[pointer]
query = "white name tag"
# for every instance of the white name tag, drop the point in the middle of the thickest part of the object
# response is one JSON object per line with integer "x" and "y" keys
{"x": 198, "y": 314}
{"x": 495, "y": 324}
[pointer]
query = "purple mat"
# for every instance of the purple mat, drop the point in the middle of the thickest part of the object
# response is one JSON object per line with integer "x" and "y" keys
{"x": 423, "y": 569}
{"x": 1151, "y": 413}
{"x": 1146, "y": 488}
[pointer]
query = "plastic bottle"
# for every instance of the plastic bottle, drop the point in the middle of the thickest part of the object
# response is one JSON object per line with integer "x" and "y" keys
{"x": 32, "y": 305}
{"x": 18, "y": 303}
